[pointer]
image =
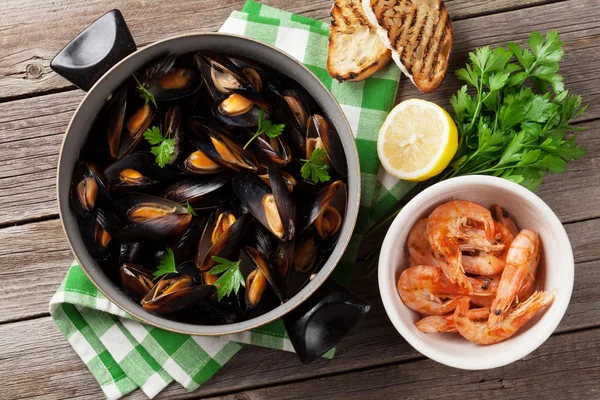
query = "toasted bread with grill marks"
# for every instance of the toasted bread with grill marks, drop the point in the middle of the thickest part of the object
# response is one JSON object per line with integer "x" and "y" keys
{"x": 355, "y": 50}
{"x": 419, "y": 33}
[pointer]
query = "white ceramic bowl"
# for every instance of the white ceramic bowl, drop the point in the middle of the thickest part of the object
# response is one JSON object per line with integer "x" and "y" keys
{"x": 556, "y": 271}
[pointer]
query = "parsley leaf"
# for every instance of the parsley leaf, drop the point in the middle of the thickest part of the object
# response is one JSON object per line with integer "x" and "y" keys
{"x": 167, "y": 264}
{"x": 148, "y": 97}
{"x": 163, "y": 147}
{"x": 267, "y": 127}
{"x": 231, "y": 278}
{"x": 153, "y": 135}
{"x": 316, "y": 168}
{"x": 190, "y": 209}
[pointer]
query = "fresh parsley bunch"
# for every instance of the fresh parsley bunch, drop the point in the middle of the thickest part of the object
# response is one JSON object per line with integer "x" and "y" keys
{"x": 514, "y": 112}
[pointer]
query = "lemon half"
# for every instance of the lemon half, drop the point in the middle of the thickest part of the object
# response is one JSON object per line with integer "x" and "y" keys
{"x": 417, "y": 140}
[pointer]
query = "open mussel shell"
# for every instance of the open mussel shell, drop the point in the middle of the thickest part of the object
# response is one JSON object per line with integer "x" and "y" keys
{"x": 307, "y": 258}
{"x": 156, "y": 69}
{"x": 195, "y": 190}
{"x": 320, "y": 322}
{"x": 141, "y": 253}
{"x": 328, "y": 223}
{"x": 135, "y": 172}
{"x": 271, "y": 150}
{"x": 258, "y": 197}
{"x": 166, "y": 81}
{"x": 136, "y": 280}
{"x": 173, "y": 293}
{"x": 226, "y": 244}
{"x": 98, "y": 232}
{"x": 283, "y": 200}
{"x": 237, "y": 110}
{"x": 87, "y": 185}
{"x": 261, "y": 262}
{"x": 321, "y": 201}
{"x": 128, "y": 117}
{"x": 320, "y": 134}
{"x": 151, "y": 218}
{"x": 294, "y": 130}
{"x": 224, "y": 77}
{"x": 220, "y": 147}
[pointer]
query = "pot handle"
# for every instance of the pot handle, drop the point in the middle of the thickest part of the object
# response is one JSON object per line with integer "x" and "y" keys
{"x": 94, "y": 51}
{"x": 319, "y": 323}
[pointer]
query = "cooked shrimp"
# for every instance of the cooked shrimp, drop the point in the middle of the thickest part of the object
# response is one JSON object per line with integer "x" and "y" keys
{"x": 426, "y": 290}
{"x": 445, "y": 323}
{"x": 522, "y": 260}
{"x": 459, "y": 223}
{"x": 490, "y": 263}
{"x": 418, "y": 246}
{"x": 482, "y": 333}
{"x": 503, "y": 216}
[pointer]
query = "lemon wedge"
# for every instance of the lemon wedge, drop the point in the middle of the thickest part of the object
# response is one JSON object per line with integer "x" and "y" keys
{"x": 417, "y": 140}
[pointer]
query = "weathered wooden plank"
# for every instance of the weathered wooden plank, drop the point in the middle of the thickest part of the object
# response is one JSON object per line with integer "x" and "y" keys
{"x": 34, "y": 31}
{"x": 565, "y": 367}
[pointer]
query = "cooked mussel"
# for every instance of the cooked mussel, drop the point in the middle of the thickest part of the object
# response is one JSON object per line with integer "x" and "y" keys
{"x": 199, "y": 163}
{"x": 314, "y": 209}
{"x": 220, "y": 147}
{"x": 226, "y": 244}
{"x": 295, "y": 129}
{"x": 275, "y": 150}
{"x": 260, "y": 262}
{"x": 151, "y": 218}
{"x": 297, "y": 106}
{"x": 87, "y": 184}
{"x": 128, "y": 118}
{"x": 272, "y": 207}
{"x": 256, "y": 283}
{"x": 319, "y": 135}
{"x": 173, "y": 293}
{"x": 134, "y": 172}
{"x": 224, "y": 77}
{"x": 98, "y": 232}
{"x": 136, "y": 280}
{"x": 165, "y": 81}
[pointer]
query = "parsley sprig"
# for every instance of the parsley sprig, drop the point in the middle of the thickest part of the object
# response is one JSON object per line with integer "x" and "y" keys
{"x": 267, "y": 127}
{"x": 316, "y": 167}
{"x": 163, "y": 147}
{"x": 508, "y": 128}
{"x": 167, "y": 264}
{"x": 231, "y": 278}
{"x": 148, "y": 97}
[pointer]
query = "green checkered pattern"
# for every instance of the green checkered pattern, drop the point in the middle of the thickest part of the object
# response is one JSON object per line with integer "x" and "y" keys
{"x": 124, "y": 354}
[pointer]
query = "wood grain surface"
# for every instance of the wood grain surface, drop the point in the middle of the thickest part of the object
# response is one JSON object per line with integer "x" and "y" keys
{"x": 373, "y": 361}
{"x": 34, "y": 31}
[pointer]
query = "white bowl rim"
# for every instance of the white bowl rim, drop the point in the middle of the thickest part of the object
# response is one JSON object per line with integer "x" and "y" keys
{"x": 384, "y": 266}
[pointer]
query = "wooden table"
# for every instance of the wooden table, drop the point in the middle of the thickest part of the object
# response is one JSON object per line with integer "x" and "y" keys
{"x": 373, "y": 361}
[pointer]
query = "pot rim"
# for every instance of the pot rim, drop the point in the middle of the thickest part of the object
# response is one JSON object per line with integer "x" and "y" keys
{"x": 299, "y": 297}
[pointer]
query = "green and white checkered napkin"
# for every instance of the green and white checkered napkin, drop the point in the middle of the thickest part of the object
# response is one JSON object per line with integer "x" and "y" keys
{"x": 124, "y": 354}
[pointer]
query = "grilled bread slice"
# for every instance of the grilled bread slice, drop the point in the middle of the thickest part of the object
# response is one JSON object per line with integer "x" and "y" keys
{"x": 355, "y": 50}
{"x": 419, "y": 33}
